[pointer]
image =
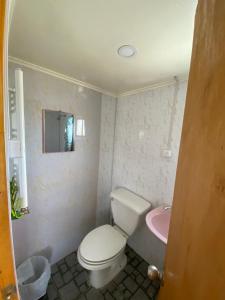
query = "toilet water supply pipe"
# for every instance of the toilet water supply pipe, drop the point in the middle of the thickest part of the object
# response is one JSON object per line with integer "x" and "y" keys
{"x": 167, "y": 152}
{"x": 17, "y": 150}
{"x": 173, "y": 112}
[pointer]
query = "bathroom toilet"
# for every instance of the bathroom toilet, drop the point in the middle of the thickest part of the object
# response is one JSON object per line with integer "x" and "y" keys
{"x": 102, "y": 250}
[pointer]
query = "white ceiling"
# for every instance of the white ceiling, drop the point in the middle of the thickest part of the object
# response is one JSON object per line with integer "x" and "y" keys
{"x": 80, "y": 38}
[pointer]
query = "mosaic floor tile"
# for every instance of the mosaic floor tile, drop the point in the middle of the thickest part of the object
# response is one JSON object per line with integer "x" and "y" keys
{"x": 69, "y": 281}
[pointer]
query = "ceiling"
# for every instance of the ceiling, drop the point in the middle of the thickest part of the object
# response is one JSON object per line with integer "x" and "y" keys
{"x": 80, "y": 38}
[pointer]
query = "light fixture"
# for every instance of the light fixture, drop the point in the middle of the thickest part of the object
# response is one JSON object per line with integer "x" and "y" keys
{"x": 126, "y": 51}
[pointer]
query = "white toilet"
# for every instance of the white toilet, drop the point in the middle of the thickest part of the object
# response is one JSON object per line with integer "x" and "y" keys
{"x": 102, "y": 250}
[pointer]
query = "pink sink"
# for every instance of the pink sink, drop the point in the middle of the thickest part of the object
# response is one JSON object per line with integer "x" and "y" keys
{"x": 158, "y": 221}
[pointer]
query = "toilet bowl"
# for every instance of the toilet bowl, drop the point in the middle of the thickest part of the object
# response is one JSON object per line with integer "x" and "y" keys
{"x": 101, "y": 252}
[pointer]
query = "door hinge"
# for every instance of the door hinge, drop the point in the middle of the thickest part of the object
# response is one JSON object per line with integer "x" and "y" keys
{"x": 8, "y": 292}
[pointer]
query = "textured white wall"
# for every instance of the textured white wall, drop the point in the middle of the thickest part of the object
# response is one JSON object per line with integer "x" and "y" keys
{"x": 142, "y": 132}
{"x": 108, "y": 115}
{"x": 62, "y": 187}
{"x": 145, "y": 124}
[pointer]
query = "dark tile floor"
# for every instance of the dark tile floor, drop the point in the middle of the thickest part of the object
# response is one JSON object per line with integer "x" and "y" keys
{"x": 69, "y": 281}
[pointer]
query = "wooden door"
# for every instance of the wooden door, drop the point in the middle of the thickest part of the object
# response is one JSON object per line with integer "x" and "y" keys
{"x": 7, "y": 274}
{"x": 195, "y": 259}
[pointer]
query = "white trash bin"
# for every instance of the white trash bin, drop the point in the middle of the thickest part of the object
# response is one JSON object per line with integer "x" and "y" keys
{"x": 33, "y": 277}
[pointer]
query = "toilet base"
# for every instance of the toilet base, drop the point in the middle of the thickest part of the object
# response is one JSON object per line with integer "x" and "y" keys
{"x": 100, "y": 278}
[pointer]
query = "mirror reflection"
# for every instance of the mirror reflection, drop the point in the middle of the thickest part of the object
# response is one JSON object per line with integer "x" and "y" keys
{"x": 58, "y": 131}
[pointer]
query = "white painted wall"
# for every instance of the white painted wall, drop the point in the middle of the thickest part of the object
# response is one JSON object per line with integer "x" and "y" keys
{"x": 146, "y": 123}
{"x": 62, "y": 187}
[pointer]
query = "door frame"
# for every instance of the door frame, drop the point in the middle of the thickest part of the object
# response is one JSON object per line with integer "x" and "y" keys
{"x": 9, "y": 277}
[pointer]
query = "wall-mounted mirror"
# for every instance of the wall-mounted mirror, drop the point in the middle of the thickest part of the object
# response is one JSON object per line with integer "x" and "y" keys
{"x": 58, "y": 131}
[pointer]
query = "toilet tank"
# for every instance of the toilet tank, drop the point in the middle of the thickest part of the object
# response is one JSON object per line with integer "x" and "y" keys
{"x": 127, "y": 209}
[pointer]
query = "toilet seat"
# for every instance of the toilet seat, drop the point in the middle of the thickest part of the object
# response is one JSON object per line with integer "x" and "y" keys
{"x": 101, "y": 246}
{"x": 99, "y": 263}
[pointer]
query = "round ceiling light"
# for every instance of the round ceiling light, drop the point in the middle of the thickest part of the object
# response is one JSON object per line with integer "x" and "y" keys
{"x": 126, "y": 51}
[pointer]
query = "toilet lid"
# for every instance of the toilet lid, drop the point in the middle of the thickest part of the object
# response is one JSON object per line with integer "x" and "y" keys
{"x": 101, "y": 244}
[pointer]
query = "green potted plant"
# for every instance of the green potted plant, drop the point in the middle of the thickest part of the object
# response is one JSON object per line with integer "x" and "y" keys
{"x": 15, "y": 200}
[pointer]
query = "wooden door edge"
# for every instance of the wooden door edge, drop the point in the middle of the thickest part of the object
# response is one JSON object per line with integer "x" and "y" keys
{"x": 5, "y": 15}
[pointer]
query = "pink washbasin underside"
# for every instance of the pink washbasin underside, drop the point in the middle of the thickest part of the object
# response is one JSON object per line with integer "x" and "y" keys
{"x": 158, "y": 221}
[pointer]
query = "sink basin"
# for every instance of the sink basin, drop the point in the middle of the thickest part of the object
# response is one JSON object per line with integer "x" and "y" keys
{"x": 158, "y": 221}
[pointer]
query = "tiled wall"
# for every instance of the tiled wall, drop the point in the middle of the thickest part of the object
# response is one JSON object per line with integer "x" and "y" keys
{"x": 146, "y": 124}
{"x": 62, "y": 187}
